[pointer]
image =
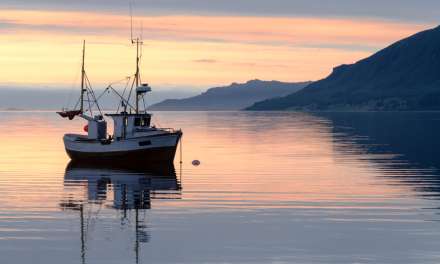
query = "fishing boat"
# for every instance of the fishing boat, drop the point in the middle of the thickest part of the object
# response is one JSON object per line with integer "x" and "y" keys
{"x": 134, "y": 141}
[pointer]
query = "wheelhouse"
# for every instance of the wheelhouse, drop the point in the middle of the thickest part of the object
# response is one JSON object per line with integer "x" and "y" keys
{"x": 126, "y": 125}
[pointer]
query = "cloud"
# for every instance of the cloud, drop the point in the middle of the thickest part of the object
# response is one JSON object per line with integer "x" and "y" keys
{"x": 7, "y": 25}
{"x": 186, "y": 49}
{"x": 298, "y": 31}
{"x": 409, "y": 10}
{"x": 209, "y": 61}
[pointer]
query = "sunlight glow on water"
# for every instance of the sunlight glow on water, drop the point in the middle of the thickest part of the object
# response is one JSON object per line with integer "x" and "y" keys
{"x": 271, "y": 187}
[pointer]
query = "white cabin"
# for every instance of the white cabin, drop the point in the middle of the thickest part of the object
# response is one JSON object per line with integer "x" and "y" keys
{"x": 126, "y": 125}
{"x": 96, "y": 127}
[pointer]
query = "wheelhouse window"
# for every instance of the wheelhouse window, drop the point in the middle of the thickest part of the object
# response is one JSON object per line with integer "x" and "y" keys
{"x": 137, "y": 121}
{"x": 146, "y": 121}
{"x": 142, "y": 121}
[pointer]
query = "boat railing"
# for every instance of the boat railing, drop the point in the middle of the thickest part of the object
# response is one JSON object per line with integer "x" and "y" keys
{"x": 170, "y": 130}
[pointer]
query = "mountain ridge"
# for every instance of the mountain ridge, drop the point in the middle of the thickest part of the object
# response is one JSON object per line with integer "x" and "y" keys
{"x": 233, "y": 97}
{"x": 402, "y": 76}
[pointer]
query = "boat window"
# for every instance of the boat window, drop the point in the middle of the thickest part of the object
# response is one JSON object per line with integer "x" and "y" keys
{"x": 137, "y": 121}
{"x": 145, "y": 121}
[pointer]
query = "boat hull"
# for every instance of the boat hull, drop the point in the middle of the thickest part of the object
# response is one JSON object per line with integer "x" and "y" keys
{"x": 141, "y": 156}
{"x": 140, "y": 151}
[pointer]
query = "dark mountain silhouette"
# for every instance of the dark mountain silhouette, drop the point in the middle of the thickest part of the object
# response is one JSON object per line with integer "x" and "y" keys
{"x": 233, "y": 97}
{"x": 403, "y": 76}
{"x": 25, "y": 98}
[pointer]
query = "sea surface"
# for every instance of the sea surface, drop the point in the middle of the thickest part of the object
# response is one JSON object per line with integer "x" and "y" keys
{"x": 270, "y": 188}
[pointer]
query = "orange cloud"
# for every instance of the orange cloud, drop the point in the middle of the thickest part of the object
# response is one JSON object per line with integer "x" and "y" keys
{"x": 272, "y": 30}
{"x": 44, "y": 46}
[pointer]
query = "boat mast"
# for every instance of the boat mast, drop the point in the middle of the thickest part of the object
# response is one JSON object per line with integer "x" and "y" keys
{"x": 138, "y": 42}
{"x": 83, "y": 73}
{"x": 137, "y": 74}
{"x": 137, "y": 77}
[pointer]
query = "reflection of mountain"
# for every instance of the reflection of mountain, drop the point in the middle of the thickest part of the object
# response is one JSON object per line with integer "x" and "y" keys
{"x": 410, "y": 137}
{"x": 117, "y": 188}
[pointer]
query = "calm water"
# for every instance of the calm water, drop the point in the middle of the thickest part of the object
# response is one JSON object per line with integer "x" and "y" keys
{"x": 271, "y": 187}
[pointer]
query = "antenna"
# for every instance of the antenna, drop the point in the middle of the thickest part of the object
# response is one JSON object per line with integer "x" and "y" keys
{"x": 142, "y": 30}
{"x": 138, "y": 42}
{"x": 142, "y": 36}
{"x": 131, "y": 22}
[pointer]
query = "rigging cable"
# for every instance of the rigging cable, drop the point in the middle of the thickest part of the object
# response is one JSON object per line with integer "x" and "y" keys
{"x": 126, "y": 103}
{"x": 123, "y": 93}
{"x": 93, "y": 95}
{"x": 181, "y": 151}
{"x": 88, "y": 101}
{"x": 129, "y": 94}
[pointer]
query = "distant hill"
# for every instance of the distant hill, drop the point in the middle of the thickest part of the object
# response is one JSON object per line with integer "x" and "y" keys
{"x": 25, "y": 98}
{"x": 233, "y": 97}
{"x": 403, "y": 76}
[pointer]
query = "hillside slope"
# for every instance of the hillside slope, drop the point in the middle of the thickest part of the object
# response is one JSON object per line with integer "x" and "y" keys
{"x": 403, "y": 76}
{"x": 232, "y": 97}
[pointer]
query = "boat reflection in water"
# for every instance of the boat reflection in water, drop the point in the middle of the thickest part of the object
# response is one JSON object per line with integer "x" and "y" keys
{"x": 124, "y": 189}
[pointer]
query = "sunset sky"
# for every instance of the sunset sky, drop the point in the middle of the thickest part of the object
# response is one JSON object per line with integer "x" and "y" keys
{"x": 198, "y": 43}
